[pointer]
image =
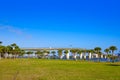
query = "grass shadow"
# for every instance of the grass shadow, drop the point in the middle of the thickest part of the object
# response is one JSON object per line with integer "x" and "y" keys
{"x": 113, "y": 64}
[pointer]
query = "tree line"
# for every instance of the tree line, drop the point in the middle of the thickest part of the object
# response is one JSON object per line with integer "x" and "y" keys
{"x": 13, "y": 51}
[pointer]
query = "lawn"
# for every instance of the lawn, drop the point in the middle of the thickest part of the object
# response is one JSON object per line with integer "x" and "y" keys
{"x": 38, "y": 69}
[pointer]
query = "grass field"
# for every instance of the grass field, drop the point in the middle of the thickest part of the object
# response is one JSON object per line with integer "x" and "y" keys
{"x": 37, "y": 69}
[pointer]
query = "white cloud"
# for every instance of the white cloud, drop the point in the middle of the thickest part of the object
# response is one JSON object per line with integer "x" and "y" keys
{"x": 11, "y": 29}
{"x": 14, "y": 30}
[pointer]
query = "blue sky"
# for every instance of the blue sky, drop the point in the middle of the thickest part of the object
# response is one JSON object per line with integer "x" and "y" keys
{"x": 60, "y": 23}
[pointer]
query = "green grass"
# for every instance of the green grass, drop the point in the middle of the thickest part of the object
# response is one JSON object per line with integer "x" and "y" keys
{"x": 37, "y": 69}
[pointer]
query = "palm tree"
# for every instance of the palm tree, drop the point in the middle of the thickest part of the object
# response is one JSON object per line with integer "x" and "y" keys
{"x": 3, "y": 51}
{"x": 84, "y": 53}
{"x": 16, "y": 51}
{"x": 45, "y": 53}
{"x": 97, "y": 49}
{"x": 67, "y": 54}
{"x": 113, "y": 48}
{"x": 39, "y": 54}
{"x": 90, "y": 52}
{"x": 29, "y": 52}
{"x": 107, "y": 50}
{"x": 6, "y": 50}
{"x": 60, "y": 53}
{"x": 53, "y": 52}
{"x": 13, "y": 45}
{"x": 13, "y": 48}
{"x": 98, "y": 52}
{"x": 80, "y": 53}
{"x": 74, "y": 52}
{"x": 22, "y": 52}
{"x": 48, "y": 52}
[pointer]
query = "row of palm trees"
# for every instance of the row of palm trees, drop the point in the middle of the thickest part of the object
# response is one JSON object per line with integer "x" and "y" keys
{"x": 82, "y": 53}
{"x": 96, "y": 50}
{"x": 14, "y": 51}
